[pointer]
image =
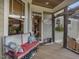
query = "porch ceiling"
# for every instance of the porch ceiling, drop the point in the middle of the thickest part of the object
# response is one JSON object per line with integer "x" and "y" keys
{"x": 47, "y": 3}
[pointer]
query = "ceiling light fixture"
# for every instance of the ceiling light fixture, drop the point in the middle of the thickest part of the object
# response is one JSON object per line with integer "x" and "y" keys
{"x": 47, "y": 3}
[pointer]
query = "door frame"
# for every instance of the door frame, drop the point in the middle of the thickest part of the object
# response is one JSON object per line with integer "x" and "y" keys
{"x": 39, "y": 14}
{"x": 65, "y": 26}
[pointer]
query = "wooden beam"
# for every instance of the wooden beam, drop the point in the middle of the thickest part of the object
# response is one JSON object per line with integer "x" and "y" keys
{"x": 68, "y": 13}
{"x": 65, "y": 28}
{"x": 53, "y": 28}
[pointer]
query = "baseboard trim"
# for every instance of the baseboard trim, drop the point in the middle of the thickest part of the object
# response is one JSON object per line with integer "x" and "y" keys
{"x": 73, "y": 50}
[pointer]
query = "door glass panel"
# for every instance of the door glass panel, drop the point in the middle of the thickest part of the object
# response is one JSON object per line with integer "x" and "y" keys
{"x": 47, "y": 27}
{"x": 59, "y": 29}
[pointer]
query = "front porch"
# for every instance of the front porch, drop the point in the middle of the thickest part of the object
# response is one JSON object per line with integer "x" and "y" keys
{"x": 54, "y": 51}
{"x": 26, "y": 25}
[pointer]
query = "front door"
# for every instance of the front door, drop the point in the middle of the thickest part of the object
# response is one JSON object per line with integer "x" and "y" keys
{"x": 36, "y": 26}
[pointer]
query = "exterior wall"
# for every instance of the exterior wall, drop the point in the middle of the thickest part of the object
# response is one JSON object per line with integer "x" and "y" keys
{"x": 14, "y": 38}
{"x": 1, "y": 22}
{"x": 27, "y": 22}
{"x": 45, "y": 33}
{"x": 26, "y": 17}
{"x": 1, "y": 16}
{"x": 6, "y": 14}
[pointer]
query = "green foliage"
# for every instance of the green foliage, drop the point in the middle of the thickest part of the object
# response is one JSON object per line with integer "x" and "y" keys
{"x": 59, "y": 29}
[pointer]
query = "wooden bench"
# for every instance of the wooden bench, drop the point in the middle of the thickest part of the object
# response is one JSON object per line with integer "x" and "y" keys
{"x": 27, "y": 47}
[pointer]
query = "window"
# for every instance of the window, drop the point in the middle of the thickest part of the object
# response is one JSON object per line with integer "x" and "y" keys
{"x": 17, "y": 7}
{"x": 16, "y": 17}
{"x": 15, "y": 26}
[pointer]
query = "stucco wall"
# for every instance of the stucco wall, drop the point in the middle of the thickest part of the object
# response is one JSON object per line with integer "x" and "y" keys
{"x": 1, "y": 16}
{"x": 1, "y": 22}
